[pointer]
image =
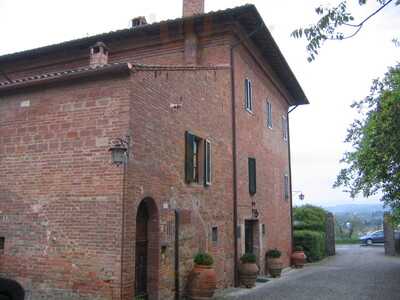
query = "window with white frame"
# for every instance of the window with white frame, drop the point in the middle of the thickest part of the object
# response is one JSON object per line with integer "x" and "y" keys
{"x": 284, "y": 128}
{"x": 248, "y": 95}
{"x": 269, "y": 114}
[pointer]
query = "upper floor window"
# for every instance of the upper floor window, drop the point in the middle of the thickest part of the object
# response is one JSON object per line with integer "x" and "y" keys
{"x": 252, "y": 176}
{"x": 248, "y": 95}
{"x": 284, "y": 128}
{"x": 286, "y": 186}
{"x": 192, "y": 158}
{"x": 269, "y": 114}
{"x": 197, "y": 150}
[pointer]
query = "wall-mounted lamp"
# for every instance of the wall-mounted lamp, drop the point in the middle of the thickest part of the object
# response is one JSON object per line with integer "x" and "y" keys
{"x": 119, "y": 151}
{"x": 301, "y": 195}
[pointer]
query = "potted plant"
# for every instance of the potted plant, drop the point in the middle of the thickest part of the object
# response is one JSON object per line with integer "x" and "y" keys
{"x": 202, "y": 280}
{"x": 274, "y": 262}
{"x": 248, "y": 270}
{"x": 298, "y": 257}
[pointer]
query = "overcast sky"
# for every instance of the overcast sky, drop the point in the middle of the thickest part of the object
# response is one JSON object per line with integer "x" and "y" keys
{"x": 342, "y": 73}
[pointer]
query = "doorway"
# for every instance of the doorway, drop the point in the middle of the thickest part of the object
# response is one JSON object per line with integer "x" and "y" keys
{"x": 147, "y": 250}
{"x": 249, "y": 236}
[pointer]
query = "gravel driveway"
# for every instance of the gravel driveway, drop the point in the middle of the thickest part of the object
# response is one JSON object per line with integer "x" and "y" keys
{"x": 354, "y": 273}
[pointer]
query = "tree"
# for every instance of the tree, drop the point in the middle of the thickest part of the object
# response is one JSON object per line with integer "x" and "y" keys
{"x": 333, "y": 24}
{"x": 373, "y": 166}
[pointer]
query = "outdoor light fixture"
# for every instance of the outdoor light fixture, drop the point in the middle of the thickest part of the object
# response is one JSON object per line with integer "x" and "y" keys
{"x": 119, "y": 151}
{"x": 301, "y": 195}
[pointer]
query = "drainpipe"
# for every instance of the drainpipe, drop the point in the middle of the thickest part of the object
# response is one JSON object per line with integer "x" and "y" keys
{"x": 234, "y": 150}
{"x": 123, "y": 195}
{"x": 290, "y": 176}
{"x": 177, "y": 295}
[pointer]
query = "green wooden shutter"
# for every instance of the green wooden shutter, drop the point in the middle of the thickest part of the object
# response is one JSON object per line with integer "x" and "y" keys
{"x": 252, "y": 176}
{"x": 207, "y": 162}
{"x": 189, "y": 141}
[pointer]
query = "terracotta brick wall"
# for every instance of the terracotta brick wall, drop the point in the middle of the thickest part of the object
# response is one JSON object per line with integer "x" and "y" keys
{"x": 269, "y": 149}
{"x": 60, "y": 196}
{"x": 157, "y": 164}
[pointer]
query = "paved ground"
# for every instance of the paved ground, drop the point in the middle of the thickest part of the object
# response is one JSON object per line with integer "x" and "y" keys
{"x": 356, "y": 272}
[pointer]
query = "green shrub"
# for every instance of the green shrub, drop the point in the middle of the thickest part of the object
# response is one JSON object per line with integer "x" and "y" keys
{"x": 313, "y": 243}
{"x": 248, "y": 258}
{"x": 298, "y": 248}
{"x": 203, "y": 259}
{"x": 274, "y": 253}
{"x": 309, "y": 217}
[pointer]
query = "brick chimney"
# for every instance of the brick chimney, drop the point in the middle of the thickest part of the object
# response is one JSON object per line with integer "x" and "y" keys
{"x": 98, "y": 54}
{"x": 193, "y": 7}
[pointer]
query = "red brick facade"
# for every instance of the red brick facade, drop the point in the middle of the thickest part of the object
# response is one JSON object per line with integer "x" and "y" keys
{"x": 69, "y": 217}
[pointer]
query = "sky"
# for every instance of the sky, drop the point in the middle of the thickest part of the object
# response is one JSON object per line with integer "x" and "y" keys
{"x": 342, "y": 73}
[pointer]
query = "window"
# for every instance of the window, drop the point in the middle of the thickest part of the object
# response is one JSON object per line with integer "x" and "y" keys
{"x": 2, "y": 242}
{"x": 286, "y": 186}
{"x": 269, "y": 114}
{"x": 252, "y": 175}
{"x": 207, "y": 162}
{"x": 197, "y": 159}
{"x": 284, "y": 128}
{"x": 214, "y": 234}
{"x": 248, "y": 94}
{"x": 192, "y": 158}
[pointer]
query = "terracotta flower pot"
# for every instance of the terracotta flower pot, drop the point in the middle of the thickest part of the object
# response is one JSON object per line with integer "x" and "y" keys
{"x": 248, "y": 274}
{"x": 275, "y": 266}
{"x": 202, "y": 282}
{"x": 298, "y": 259}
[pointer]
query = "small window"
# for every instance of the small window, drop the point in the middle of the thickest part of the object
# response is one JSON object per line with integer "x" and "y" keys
{"x": 286, "y": 186}
{"x": 248, "y": 95}
{"x": 207, "y": 162}
{"x": 285, "y": 128}
{"x": 269, "y": 114}
{"x": 192, "y": 158}
{"x": 263, "y": 229}
{"x": 214, "y": 234}
{"x": 2, "y": 244}
{"x": 252, "y": 176}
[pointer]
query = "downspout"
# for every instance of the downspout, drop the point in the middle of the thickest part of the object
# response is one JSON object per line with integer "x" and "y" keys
{"x": 234, "y": 150}
{"x": 177, "y": 295}
{"x": 235, "y": 214}
{"x": 125, "y": 170}
{"x": 290, "y": 178}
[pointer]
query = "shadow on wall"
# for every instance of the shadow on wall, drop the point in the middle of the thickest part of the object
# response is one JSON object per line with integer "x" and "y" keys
{"x": 11, "y": 290}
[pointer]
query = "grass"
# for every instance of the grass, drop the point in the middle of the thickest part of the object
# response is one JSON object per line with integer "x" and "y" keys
{"x": 347, "y": 241}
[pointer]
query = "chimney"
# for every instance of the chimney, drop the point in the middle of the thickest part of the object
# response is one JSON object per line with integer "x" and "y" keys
{"x": 98, "y": 54}
{"x": 193, "y": 7}
{"x": 138, "y": 21}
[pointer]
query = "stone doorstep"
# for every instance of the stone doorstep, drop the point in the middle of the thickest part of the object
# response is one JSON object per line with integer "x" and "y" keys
{"x": 234, "y": 293}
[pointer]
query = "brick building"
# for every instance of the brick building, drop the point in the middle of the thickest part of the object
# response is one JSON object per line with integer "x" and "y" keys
{"x": 202, "y": 102}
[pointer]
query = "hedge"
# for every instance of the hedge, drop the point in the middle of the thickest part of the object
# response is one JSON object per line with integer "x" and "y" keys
{"x": 309, "y": 217}
{"x": 313, "y": 243}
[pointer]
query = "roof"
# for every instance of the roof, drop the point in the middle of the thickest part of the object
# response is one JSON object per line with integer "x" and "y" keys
{"x": 247, "y": 16}
{"x": 78, "y": 73}
{"x": 120, "y": 68}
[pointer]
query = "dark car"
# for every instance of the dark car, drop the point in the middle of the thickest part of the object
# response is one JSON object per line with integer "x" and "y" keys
{"x": 373, "y": 238}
